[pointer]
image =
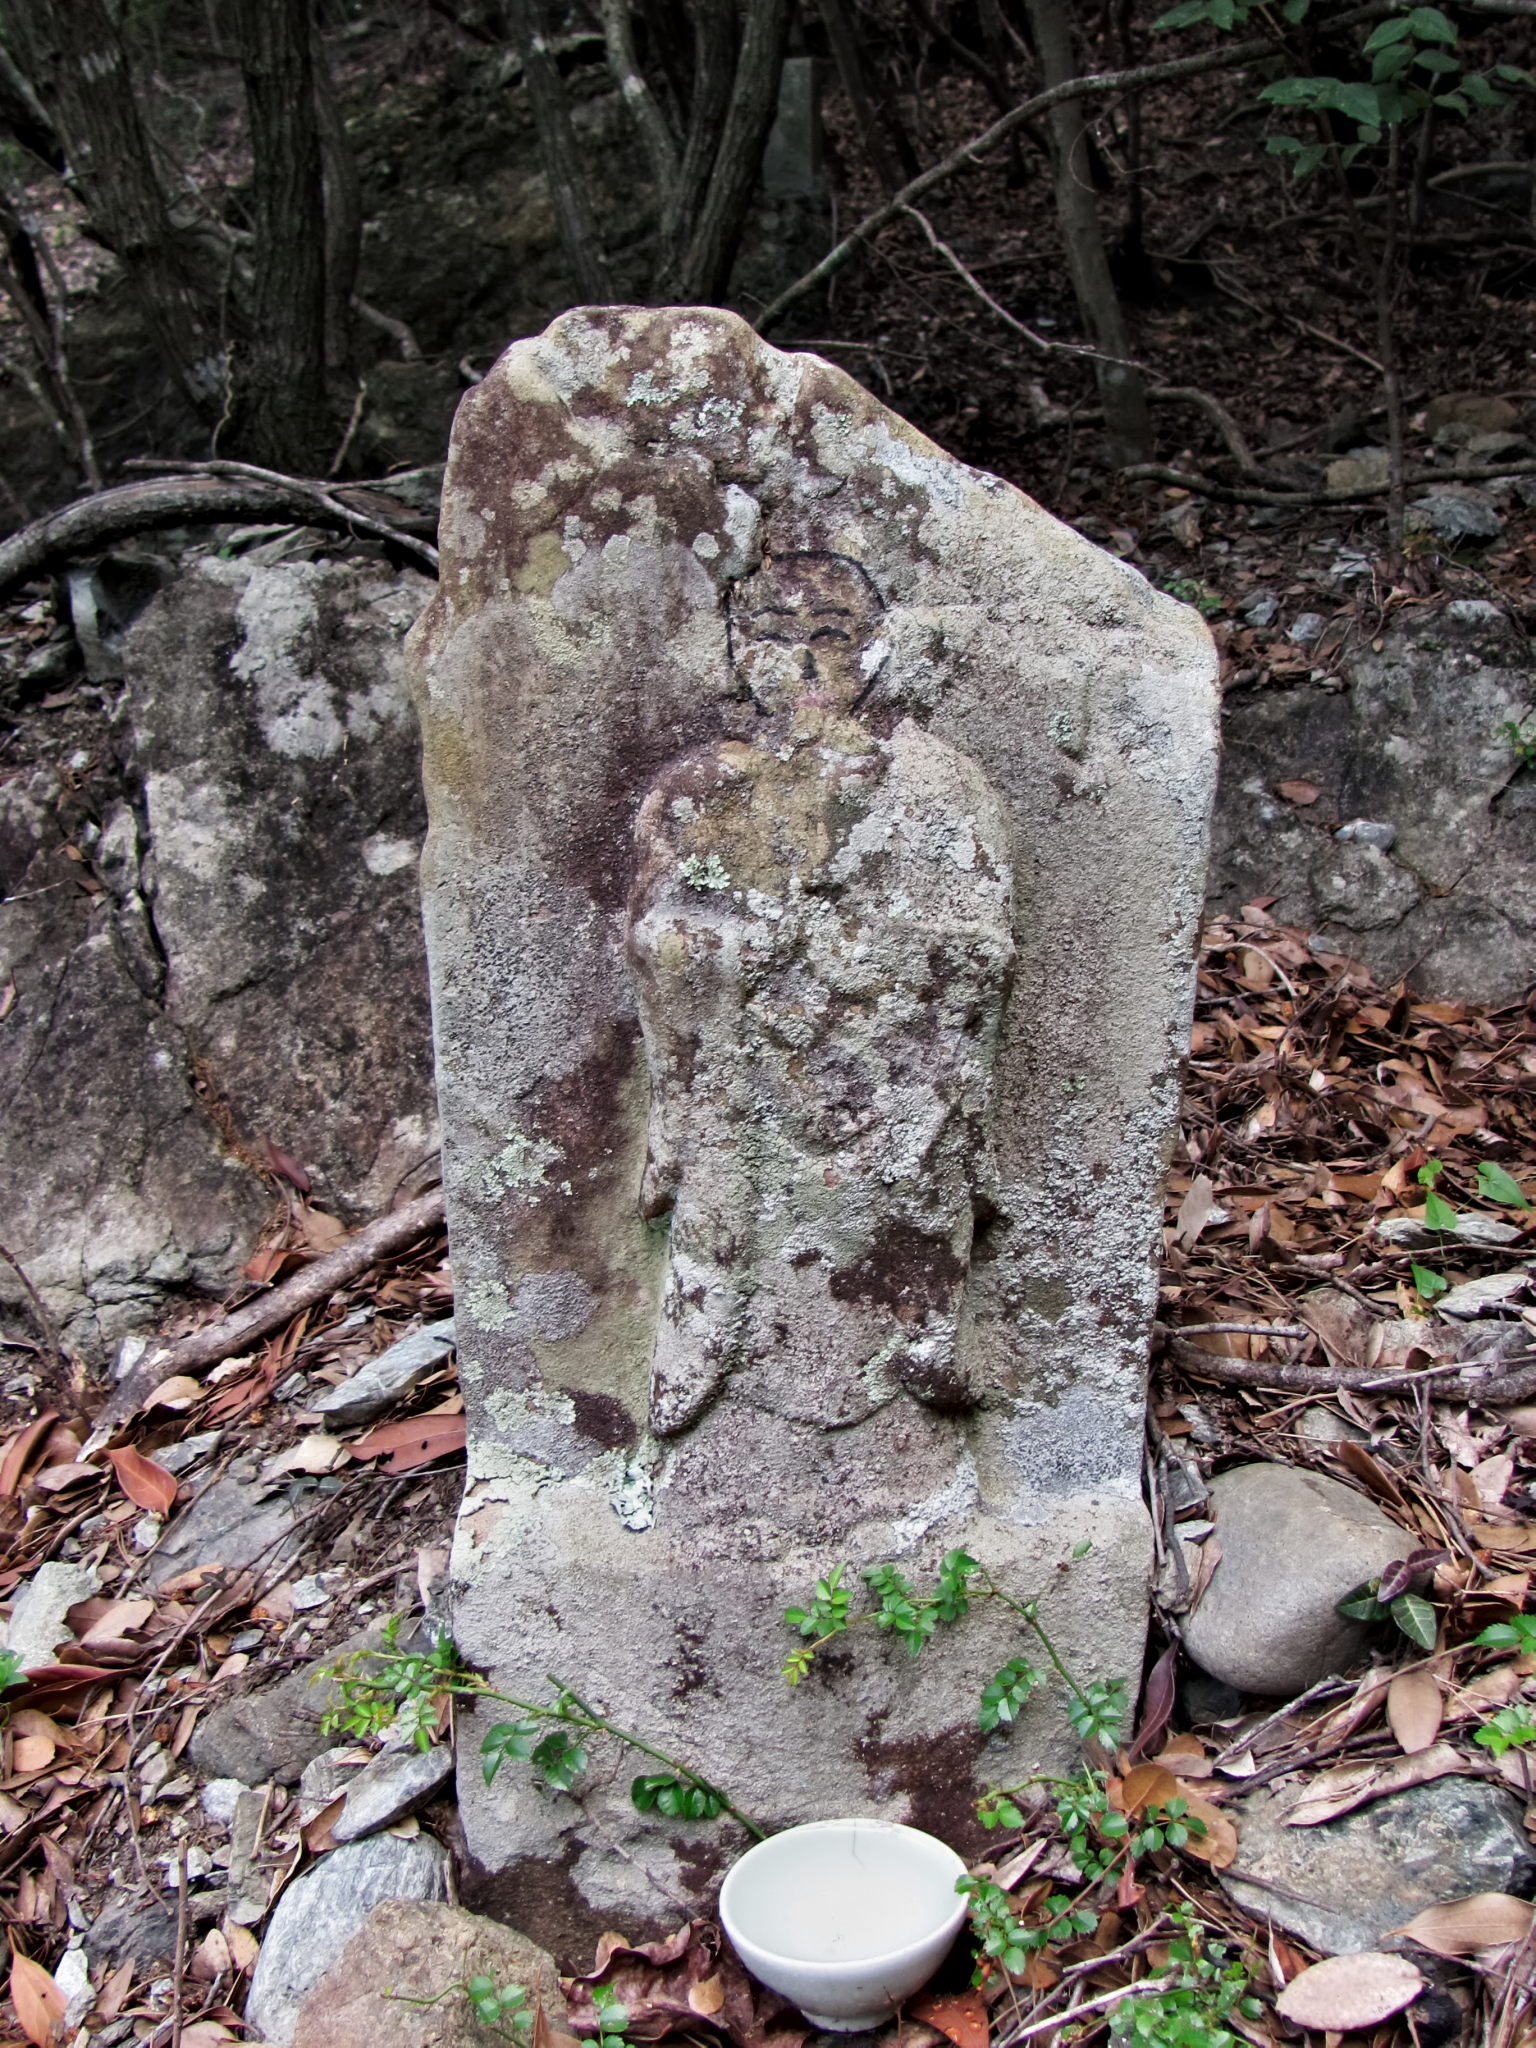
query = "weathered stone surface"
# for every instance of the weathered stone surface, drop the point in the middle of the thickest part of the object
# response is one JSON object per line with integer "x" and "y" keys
{"x": 213, "y": 941}
{"x": 274, "y": 1733}
{"x": 37, "y": 1625}
{"x": 816, "y": 843}
{"x": 376, "y": 1386}
{"x": 1293, "y": 1544}
{"x": 318, "y": 1915}
{"x": 1345, "y": 1885}
{"x": 1414, "y": 741}
{"x": 113, "y": 1186}
{"x": 277, "y": 750}
{"x": 392, "y": 1786}
{"x": 235, "y": 1522}
{"x": 408, "y": 1951}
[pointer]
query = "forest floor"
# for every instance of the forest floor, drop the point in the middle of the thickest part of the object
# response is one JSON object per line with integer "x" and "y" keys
{"x": 1314, "y": 1102}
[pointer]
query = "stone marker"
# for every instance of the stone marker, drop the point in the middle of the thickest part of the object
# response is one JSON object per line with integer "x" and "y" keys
{"x": 817, "y": 838}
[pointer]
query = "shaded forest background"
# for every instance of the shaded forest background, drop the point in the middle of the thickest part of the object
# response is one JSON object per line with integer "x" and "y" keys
{"x": 292, "y": 231}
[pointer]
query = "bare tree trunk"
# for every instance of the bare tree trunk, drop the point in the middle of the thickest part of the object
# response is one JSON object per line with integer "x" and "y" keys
{"x": 569, "y": 196}
{"x": 645, "y": 109}
{"x": 1122, "y": 388}
{"x": 22, "y": 280}
{"x": 75, "y": 58}
{"x": 705, "y": 268}
{"x": 880, "y": 129}
{"x": 281, "y": 417}
{"x": 343, "y": 212}
{"x": 714, "y": 64}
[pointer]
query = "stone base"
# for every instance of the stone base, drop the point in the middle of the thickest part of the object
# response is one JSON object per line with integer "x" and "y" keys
{"x": 685, "y": 1645}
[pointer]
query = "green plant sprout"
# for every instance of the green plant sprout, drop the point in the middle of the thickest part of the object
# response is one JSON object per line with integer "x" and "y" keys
{"x": 390, "y": 1686}
{"x": 508, "y": 2013}
{"x": 1494, "y": 1184}
{"x": 1522, "y": 744}
{"x": 1413, "y": 64}
{"x": 1195, "y": 2011}
{"x": 1190, "y": 590}
{"x": 1410, "y": 1613}
{"x": 1100, "y": 1841}
{"x": 1514, "y": 1726}
{"x": 1510, "y": 1728}
{"x": 612, "y": 2017}
{"x": 1095, "y": 1708}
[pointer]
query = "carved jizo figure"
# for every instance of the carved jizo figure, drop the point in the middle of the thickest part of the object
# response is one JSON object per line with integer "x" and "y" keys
{"x": 820, "y": 933}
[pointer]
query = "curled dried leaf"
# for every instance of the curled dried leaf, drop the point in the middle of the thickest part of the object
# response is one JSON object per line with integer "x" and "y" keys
{"x": 1346, "y": 1992}
{"x": 1463, "y": 1926}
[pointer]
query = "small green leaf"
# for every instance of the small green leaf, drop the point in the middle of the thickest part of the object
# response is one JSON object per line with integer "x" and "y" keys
{"x": 1430, "y": 1286}
{"x": 1494, "y": 1184}
{"x": 1361, "y": 1605}
{"x": 1431, "y": 26}
{"x": 1438, "y": 1213}
{"x": 1417, "y": 1619}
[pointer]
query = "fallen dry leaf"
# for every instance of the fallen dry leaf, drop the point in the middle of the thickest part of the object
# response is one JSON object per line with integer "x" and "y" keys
{"x": 210, "y": 1959}
{"x": 1298, "y": 792}
{"x": 244, "y": 1948}
{"x": 1415, "y": 1709}
{"x": 1341, "y": 1791}
{"x": 1146, "y": 1785}
{"x": 146, "y": 1484}
{"x": 31, "y": 1753}
{"x": 959, "y": 2015}
{"x": 1197, "y": 1209}
{"x": 38, "y": 2000}
{"x": 405, "y": 1445}
{"x": 1218, "y": 1845}
{"x": 176, "y": 1393}
{"x": 1463, "y": 1926}
{"x": 1346, "y": 1992}
{"x": 18, "y": 1452}
{"x": 708, "y": 1995}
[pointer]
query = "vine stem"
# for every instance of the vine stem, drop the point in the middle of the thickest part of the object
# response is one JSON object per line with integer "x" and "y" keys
{"x": 1028, "y": 1612}
{"x": 596, "y": 1723}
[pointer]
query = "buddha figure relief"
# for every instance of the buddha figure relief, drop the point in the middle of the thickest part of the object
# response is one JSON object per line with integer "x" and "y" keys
{"x": 820, "y": 935}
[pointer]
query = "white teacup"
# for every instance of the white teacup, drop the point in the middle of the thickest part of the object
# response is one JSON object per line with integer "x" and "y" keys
{"x": 845, "y": 1918}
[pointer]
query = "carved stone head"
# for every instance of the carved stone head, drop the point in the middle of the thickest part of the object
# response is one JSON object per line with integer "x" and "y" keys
{"x": 806, "y": 628}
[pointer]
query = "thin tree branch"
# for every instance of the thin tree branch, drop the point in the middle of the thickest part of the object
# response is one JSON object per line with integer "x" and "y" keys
{"x": 1257, "y": 494}
{"x": 1092, "y": 85}
{"x": 382, "y": 1239}
{"x": 645, "y": 109}
{"x": 974, "y": 284}
{"x": 108, "y": 516}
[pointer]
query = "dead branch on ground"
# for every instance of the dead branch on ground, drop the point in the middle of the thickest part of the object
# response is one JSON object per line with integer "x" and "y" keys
{"x": 207, "y": 493}
{"x": 382, "y": 1239}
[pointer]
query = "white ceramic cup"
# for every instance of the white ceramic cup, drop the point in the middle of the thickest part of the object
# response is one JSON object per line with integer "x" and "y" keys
{"x": 845, "y": 1918}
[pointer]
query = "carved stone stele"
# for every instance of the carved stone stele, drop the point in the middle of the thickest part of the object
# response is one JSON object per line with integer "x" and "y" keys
{"x": 818, "y": 835}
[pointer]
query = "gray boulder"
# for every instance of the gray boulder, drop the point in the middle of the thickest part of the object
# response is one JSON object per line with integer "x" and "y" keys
{"x": 1419, "y": 736}
{"x": 274, "y": 1733}
{"x": 275, "y": 745}
{"x": 237, "y": 901}
{"x": 390, "y": 1788}
{"x": 375, "y": 1995}
{"x": 1343, "y": 1886}
{"x": 1293, "y": 1544}
{"x": 384, "y": 1380}
{"x": 319, "y": 1914}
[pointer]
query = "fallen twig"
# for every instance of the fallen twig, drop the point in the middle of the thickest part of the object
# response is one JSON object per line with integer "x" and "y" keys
{"x": 1473, "y": 1379}
{"x": 208, "y": 495}
{"x": 1259, "y": 494}
{"x": 316, "y": 1282}
{"x": 44, "y": 1320}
